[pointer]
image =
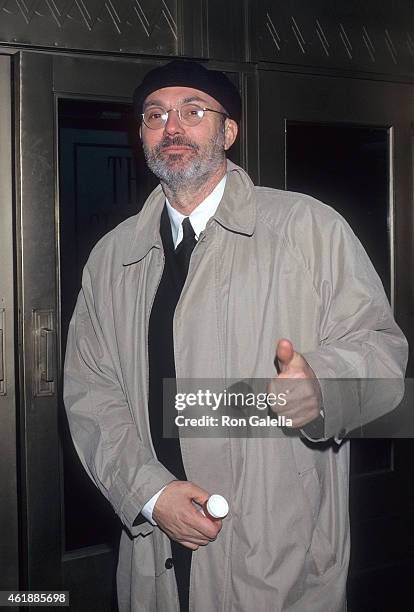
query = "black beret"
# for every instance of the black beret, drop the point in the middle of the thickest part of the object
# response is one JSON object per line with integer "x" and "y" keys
{"x": 185, "y": 73}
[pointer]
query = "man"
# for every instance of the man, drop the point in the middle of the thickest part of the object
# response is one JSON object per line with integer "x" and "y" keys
{"x": 274, "y": 279}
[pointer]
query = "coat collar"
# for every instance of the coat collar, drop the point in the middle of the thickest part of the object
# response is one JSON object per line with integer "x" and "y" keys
{"x": 236, "y": 212}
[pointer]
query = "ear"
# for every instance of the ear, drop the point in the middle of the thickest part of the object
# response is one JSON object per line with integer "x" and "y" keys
{"x": 230, "y": 133}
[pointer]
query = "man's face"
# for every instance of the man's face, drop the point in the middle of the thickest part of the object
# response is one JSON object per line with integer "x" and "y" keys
{"x": 182, "y": 155}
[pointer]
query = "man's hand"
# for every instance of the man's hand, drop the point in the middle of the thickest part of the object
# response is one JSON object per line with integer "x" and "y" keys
{"x": 177, "y": 516}
{"x": 297, "y": 379}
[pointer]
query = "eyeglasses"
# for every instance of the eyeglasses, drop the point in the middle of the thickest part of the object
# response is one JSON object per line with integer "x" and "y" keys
{"x": 189, "y": 114}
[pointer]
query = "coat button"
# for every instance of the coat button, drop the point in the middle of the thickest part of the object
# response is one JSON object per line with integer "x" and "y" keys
{"x": 169, "y": 563}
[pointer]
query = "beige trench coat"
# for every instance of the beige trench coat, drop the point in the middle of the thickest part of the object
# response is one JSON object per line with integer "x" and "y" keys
{"x": 270, "y": 264}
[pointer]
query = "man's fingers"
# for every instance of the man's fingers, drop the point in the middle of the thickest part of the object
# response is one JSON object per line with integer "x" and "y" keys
{"x": 297, "y": 380}
{"x": 284, "y": 354}
{"x": 199, "y": 495}
{"x": 176, "y": 514}
{"x": 192, "y": 537}
{"x": 205, "y": 526}
{"x": 302, "y": 393}
{"x": 190, "y": 545}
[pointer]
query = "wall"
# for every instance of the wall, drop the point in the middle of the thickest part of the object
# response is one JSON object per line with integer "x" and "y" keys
{"x": 368, "y": 37}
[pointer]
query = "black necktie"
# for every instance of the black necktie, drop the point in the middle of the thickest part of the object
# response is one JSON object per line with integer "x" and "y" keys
{"x": 185, "y": 248}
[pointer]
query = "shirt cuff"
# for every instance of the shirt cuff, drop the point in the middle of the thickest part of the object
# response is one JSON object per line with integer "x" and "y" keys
{"x": 148, "y": 508}
{"x": 315, "y": 430}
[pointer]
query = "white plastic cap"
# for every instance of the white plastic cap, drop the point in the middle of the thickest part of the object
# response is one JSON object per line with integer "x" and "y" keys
{"x": 217, "y": 506}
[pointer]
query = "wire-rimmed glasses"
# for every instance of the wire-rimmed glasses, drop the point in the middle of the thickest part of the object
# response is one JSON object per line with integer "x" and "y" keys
{"x": 156, "y": 117}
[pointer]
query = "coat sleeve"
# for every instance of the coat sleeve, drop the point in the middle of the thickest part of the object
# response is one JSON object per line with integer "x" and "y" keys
{"x": 362, "y": 353}
{"x": 103, "y": 429}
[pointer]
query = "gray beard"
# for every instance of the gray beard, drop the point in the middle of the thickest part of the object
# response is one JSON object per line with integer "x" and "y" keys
{"x": 197, "y": 170}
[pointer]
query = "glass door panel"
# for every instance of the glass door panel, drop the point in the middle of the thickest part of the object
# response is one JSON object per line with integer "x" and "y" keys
{"x": 100, "y": 185}
{"x": 347, "y": 167}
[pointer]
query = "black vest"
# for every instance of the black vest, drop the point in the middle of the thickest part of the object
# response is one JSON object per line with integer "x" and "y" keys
{"x": 161, "y": 352}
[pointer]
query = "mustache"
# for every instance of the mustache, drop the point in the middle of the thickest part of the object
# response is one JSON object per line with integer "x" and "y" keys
{"x": 168, "y": 141}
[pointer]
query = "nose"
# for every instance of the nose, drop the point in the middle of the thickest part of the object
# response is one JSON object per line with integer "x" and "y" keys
{"x": 173, "y": 124}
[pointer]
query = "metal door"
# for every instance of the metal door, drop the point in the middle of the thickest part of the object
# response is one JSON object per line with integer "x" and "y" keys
{"x": 76, "y": 179}
{"x": 86, "y": 570}
{"x": 349, "y": 142}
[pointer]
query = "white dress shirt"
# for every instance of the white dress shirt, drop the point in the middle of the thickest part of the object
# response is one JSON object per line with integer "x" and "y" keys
{"x": 200, "y": 215}
{"x": 199, "y": 218}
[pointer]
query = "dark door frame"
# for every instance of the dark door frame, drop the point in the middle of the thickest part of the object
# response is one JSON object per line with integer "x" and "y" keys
{"x": 9, "y": 543}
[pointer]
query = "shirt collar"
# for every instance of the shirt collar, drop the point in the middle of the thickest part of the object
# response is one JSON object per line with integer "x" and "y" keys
{"x": 200, "y": 215}
{"x": 237, "y": 213}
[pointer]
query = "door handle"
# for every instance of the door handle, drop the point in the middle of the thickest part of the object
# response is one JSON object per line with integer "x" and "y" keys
{"x": 1, "y": 357}
{"x": 2, "y": 352}
{"x": 44, "y": 352}
{"x": 47, "y": 355}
